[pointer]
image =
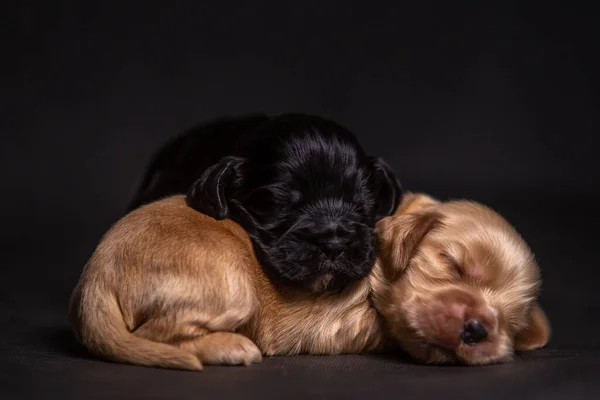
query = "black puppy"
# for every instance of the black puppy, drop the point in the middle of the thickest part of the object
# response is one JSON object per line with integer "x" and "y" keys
{"x": 301, "y": 186}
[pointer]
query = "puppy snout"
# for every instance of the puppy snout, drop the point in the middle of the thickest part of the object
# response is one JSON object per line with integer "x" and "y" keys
{"x": 474, "y": 332}
{"x": 333, "y": 249}
{"x": 331, "y": 238}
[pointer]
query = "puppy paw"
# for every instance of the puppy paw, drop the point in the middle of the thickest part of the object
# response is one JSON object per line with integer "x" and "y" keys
{"x": 224, "y": 348}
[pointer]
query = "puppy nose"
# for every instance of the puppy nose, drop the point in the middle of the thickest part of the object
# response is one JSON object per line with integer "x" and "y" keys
{"x": 474, "y": 332}
{"x": 333, "y": 249}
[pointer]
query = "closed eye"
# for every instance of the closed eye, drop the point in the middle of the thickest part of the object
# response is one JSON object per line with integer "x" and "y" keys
{"x": 452, "y": 263}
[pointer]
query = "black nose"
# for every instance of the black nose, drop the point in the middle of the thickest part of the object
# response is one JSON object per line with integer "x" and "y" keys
{"x": 474, "y": 332}
{"x": 333, "y": 250}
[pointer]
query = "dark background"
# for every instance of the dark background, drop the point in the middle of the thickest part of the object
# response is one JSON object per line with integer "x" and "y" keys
{"x": 494, "y": 103}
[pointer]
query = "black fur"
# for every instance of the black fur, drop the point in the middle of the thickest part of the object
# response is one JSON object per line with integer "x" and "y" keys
{"x": 300, "y": 185}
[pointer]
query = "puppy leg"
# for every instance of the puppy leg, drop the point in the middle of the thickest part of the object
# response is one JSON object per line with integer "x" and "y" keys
{"x": 223, "y": 348}
{"x": 169, "y": 330}
{"x": 216, "y": 348}
{"x": 205, "y": 336}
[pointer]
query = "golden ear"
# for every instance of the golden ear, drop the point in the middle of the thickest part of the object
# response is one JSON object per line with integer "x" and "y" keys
{"x": 537, "y": 332}
{"x": 414, "y": 202}
{"x": 399, "y": 238}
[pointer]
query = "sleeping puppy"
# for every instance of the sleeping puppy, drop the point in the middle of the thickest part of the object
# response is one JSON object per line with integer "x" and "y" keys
{"x": 300, "y": 185}
{"x": 170, "y": 287}
{"x": 458, "y": 284}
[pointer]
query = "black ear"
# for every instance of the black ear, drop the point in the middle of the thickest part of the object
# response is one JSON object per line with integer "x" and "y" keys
{"x": 387, "y": 188}
{"x": 209, "y": 194}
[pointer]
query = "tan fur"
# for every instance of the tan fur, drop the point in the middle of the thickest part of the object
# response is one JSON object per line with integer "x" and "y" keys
{"x": 170, "y": 287}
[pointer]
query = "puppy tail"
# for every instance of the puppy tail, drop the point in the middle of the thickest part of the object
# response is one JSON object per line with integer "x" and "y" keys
{"x": 99, "y": 325}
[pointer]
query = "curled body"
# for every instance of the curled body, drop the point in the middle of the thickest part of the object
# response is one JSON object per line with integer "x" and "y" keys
{"x": 170, "y": 287}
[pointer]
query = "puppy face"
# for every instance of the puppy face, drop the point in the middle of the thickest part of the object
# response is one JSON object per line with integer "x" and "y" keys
{"x": 308, "y": 197}
{"x": 463, "y": 284}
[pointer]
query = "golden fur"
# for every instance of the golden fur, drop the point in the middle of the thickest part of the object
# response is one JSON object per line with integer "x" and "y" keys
{"x": 170, "y": 287}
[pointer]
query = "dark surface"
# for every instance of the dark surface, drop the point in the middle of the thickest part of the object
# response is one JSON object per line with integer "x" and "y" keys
{"x": 494, "y": 104}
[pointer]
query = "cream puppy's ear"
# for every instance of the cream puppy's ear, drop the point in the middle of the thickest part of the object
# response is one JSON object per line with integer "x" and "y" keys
{"x": 412, "y": 202}
{"x": 537, "y": 332}
{"x": 400, "y": 234}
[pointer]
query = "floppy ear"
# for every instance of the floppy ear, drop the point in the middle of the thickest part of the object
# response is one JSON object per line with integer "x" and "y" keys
{"x": 209, "y": 194}
{"x": 414, "y": 202}
{"x": 387, "y": 188}
{"x": 399, "y": 237}
{"x": 537, "y": 332}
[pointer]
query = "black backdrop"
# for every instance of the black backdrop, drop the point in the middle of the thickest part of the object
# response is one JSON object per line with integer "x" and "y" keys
{"x": 494, "y": 103}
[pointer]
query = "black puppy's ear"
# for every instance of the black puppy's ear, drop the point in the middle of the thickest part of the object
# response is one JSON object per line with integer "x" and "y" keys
{"x": 209, "y": 194}
{"x": 387, "y": 188}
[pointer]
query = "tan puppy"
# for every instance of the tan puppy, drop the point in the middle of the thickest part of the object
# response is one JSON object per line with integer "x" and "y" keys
{"x": 170, "y": 287}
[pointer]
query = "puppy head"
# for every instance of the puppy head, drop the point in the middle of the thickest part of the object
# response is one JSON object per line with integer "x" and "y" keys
{"x": 308, "y": 197}
{"x": 459, "y": 284}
